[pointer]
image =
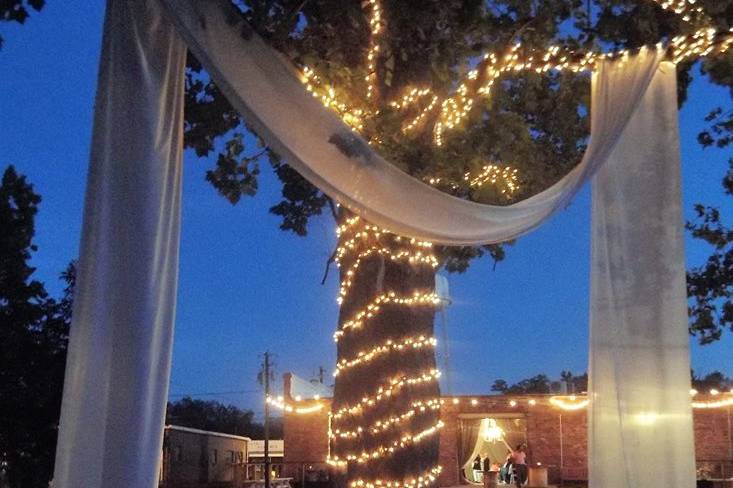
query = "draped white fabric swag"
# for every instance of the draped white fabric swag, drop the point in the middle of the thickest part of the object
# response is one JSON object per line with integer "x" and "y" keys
{"x": 120, "y": 346}
{"x": 640, "y": 418}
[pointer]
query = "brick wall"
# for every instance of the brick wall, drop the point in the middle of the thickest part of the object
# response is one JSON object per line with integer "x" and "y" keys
{"x": 556, "y": 438}
{"x": 713, "y": 442}
{"x": 306, "y": 441}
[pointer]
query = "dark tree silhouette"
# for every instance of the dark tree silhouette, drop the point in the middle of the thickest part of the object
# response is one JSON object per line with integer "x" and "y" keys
{"x": 218, "y": 417}
{"x": 33, "y": 335}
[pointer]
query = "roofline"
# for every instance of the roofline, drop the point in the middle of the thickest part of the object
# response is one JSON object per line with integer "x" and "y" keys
{"x": 485, "y": 395}
{"x": 206, "y": 432}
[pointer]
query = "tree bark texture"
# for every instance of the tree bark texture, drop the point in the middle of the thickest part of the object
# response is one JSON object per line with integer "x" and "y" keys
{"x": 385, "y": 412}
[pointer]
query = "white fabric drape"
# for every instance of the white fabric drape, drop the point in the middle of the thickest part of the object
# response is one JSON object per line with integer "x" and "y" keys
{"x": 265, "y": 89}
{"x": 119, "y": 358}
{"x": 640, "y": 419}
{"x": 120, "y": 346}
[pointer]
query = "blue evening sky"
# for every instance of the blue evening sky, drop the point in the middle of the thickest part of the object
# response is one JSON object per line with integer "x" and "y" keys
{"x": 246, "y": 286}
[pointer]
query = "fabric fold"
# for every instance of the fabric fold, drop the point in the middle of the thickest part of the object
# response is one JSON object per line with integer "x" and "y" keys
{"x": 265, "y": 88}
{"x": 118, "y": 365}
{"x": 640, "y": 430}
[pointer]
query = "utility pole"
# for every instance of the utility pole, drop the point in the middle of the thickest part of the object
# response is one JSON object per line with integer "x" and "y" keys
{"x": 267, "y": 418}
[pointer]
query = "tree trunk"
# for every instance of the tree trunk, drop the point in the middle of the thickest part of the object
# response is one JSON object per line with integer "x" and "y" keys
{"x": 385, "y": 413}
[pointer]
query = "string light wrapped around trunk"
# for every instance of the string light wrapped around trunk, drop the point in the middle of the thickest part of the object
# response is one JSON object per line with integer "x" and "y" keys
{"x": 384, "y": 420}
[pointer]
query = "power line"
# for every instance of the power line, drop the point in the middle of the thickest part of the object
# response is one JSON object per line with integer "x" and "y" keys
{"x": 213, "y": 393}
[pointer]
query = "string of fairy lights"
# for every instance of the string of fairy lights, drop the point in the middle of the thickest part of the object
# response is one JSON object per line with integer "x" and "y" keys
{"x": 415, "y": 300}
{"x": 426, "y": 110}
{"x": 714, "y": 400}
{"x": 402, "y": 442}
{"x": 454, "y": 109}
{"x": 385, "y": 392}
{"x": 358, "y": 241}
{"x": 410, "y": 257}
{"x": 687, "y": 9}
{"x": 389, "y": 346}
{"x": 390, "y": 422}
{"x": 424, "y": 479}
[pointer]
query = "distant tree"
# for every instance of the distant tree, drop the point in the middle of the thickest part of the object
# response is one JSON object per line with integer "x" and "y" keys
{"x": 576, "y": 384}
{"x": 500, "y": 385}
{"x": 715, "y": 380}
{"x": 541, "y": 384}
{"x": 17, "y": 11}
{"x": 33, "y": 337}
{"x": 217, "y": 417}
{"x": 710, "y": 286}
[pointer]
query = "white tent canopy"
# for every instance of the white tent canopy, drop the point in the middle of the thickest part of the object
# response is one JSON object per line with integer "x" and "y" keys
{"x": 120, "y": 346}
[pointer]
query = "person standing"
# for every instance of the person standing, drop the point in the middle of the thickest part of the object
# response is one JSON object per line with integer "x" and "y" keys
{"x": 477, "y": 472}
{"x": 486, "y": 463}
{"x": 519, "y": 464}
{"x": 518, "y": 458}
{"x": 505, "y": 473}
{"x": 490, "y": 476}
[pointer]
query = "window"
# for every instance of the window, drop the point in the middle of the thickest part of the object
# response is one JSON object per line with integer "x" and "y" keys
{"x": 213, "y": 457}
{"x": 178, "y": 453}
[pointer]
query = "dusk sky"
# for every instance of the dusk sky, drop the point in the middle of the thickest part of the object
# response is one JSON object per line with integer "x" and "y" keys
{"x": 246, "y": 287}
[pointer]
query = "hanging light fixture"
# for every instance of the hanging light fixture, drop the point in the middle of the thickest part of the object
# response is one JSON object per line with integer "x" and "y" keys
{"x": 491, "y": 431}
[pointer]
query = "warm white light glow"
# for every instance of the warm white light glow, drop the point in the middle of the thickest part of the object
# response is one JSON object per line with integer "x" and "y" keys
{"x": 365, "y": 357}
{"x": 491, "y": 431}
{"x": 646, "y": 418}
{"x": 419, "y": 481}
{"x": 279, "y": 403}
{"x": 569, "y": 403}
{"x": 722, "y": 403}
{"x": 385, "y": 392}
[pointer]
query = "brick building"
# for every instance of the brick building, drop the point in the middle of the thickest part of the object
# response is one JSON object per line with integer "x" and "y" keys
{"x": 555, "y": 432}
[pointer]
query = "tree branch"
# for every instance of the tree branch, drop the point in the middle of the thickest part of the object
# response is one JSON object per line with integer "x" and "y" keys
{"x": 328, "y": 266}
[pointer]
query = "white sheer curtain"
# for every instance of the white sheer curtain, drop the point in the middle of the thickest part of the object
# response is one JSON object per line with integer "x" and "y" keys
{"x": 640, "y": 423}
{"x": 264, "y": 88}
{"x": 119, "y": 358}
